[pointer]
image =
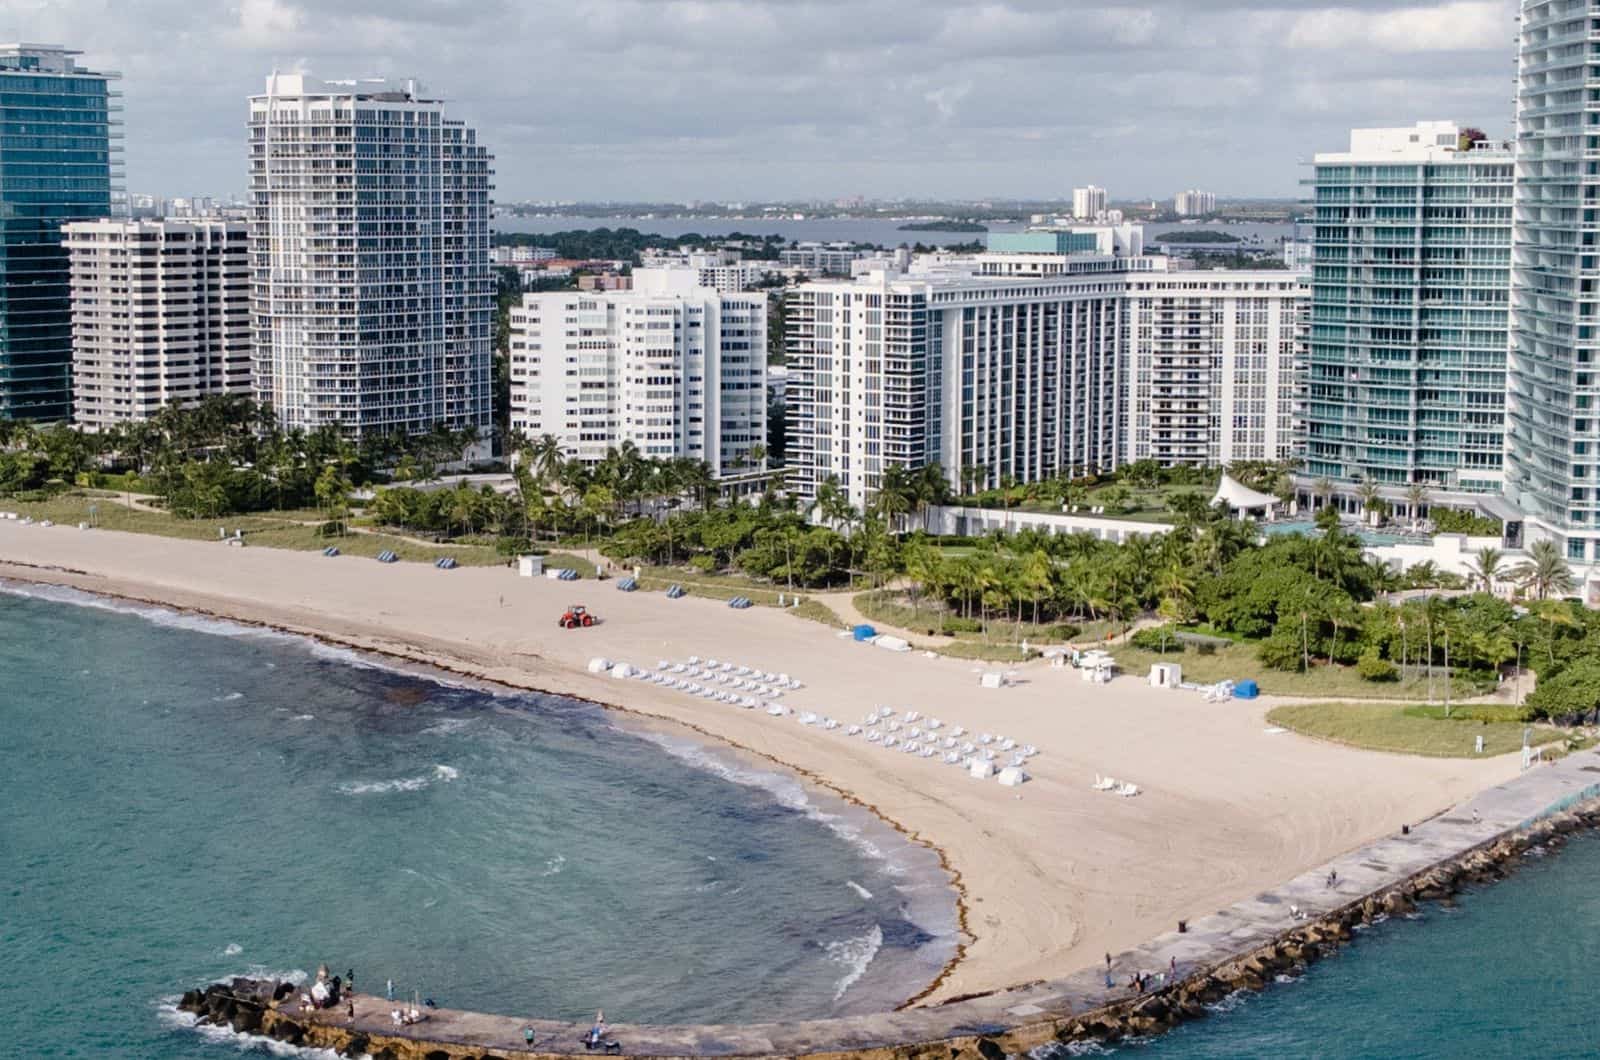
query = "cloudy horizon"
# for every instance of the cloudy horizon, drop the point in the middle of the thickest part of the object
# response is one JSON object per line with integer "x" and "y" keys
{"x": 662, "y": 100}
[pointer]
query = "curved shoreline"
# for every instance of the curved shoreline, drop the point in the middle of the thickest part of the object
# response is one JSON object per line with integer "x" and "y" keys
{"x": 265, "y": 1008}
{"x": 422, "y": 666}
{"x": 1051, "y": 875}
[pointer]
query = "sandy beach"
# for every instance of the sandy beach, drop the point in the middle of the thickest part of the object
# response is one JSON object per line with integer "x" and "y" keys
{"x": 1053, "y": 874}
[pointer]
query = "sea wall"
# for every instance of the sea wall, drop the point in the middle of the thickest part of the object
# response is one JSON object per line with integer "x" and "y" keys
{"x": 1220, "y": 956}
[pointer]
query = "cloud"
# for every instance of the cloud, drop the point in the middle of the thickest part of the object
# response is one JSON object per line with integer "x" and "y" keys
{"x": 673, "y": 99}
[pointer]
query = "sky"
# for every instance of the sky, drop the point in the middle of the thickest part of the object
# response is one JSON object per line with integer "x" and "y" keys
{"x": 676, "y": 100}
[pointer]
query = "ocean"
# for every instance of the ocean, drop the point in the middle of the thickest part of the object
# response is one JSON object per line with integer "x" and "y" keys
{"x": 1504, "y": 971}
{"x": 186, "y": 799}
{"x": 872, "y": 230}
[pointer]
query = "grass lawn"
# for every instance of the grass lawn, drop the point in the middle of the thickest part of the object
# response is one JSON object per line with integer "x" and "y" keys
{"x": 1407, "y": 729}
{"x": 262, "y": 530}
{"x": 1237, "y": 661}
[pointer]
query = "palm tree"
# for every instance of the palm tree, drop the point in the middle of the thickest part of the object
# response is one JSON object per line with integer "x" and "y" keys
{"x": 1322, "y": 490}
{"x": 1368, "y": 494}
{"x": 1545, "y": 571}
{"x": 546, "y": 458}
{"x": 1487, "y": 568}
{"x": 1416, "y": 499}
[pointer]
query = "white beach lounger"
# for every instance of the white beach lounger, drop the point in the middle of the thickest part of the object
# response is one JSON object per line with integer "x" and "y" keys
{"x": 913, "y": 716}
{"x": 915, "y": 733}
{"x": 890, "y": 741}
{"x": 1128, "y": 791}
{"x": 1008, "y": 745}
{"x": 952, "y": 759}
{"x": 829, "y": 724}
{"x": 958, "y": 732}
{"x": 986, "y": 739}
{"x": 934, "y": 724}
{"x": 854, "y": 730}
{"x": 874, "y": 736}
{"x": 949, "y": 743}
{"x": 969, "y": 748}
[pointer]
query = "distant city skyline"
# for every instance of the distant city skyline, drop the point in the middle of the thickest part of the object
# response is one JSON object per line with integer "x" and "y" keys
{"x": 757, "y": 100}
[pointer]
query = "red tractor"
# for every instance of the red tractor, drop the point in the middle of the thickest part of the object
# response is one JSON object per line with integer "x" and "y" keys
{"x": 575, "y": 616}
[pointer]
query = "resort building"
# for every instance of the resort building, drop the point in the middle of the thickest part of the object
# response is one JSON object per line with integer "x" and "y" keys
{"x": 372, "y": 291}
{"x": 160, "y": 316}
{"x": 1406, "y": 357}
{"x": 829, "y": 259}
{"x": 1554, "y": 404}
{"x": 1194, "y": 203}
{"x": 59, "y": 133}
{"x": 1212, "y": 365}
{"x": 1088, "y": 204}
{"x": 1047, "y": 357}
{"x": 675, "y": 368}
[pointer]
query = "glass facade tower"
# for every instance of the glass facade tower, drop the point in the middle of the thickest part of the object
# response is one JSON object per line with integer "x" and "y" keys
{"x": 1406, "y": 357}
{"x": 1554, "y": 450}
{"x": 58, "y": 127}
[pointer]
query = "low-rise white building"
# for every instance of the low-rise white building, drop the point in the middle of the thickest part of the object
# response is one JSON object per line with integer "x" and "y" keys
{"x": 674, "y": 367}
{"x": 160, "y": 315}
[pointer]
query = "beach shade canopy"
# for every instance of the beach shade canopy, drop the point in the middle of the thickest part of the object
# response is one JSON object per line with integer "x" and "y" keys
{"x": 1246, "y": 689}
{"x": 863, "y": 632}
{"x": 1239, "y": 497}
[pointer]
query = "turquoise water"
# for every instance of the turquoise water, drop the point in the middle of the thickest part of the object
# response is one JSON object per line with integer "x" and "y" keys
{"x": 1509, "y": 971}
{"x": 185, "y": 800}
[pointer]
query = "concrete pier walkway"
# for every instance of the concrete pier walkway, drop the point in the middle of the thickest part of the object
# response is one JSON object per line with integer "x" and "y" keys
{"x": 1027, "y": 1016}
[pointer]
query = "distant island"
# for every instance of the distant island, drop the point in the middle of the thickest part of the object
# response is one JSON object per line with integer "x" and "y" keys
{"x": 944, "y": 226}
{"x": 1197, "y": 236}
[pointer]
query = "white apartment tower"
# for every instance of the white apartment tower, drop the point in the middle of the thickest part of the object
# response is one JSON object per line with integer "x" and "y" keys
{"x": 1088, "y": 203}
{"x": 1193, "y": 203}
{"x": 675, "y": 368}
{"x": 160, "y": 316}
{"x": 1212, "y": 365}
{"x": 1553, "y": 401}
{"x": 1054, "y": 357}
{"x": 372, "y": 294}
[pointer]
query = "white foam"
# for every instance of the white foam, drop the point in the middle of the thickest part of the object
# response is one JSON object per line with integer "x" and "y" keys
{"x": 553, "y": 866}
{"x": 446, "y": 773}
{"x": 169, "y": 1014}
{"x": 384, "y": 787}
{"x": 233, "y": 949}
{"x": 855, "y": 955}
{"x": 229, "y": 698}
{"x": 865, "y": 894}
{"x": 161, "y": 616}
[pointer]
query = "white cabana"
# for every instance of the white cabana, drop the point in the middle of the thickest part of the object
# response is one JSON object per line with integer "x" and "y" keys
{"x": 1241, "y": 498}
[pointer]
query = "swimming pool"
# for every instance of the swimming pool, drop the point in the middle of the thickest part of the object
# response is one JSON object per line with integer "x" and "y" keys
{"x": 1370, "y": 537}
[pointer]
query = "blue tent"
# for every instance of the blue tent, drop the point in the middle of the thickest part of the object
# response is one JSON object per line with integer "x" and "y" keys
{"x": 1246, "y": 689}
{"x": 863, "y": 632}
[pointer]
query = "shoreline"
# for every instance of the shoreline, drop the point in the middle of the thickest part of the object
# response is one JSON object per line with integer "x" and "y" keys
{"x": 636, "y": 722}
{"x": 1049, "y": 876}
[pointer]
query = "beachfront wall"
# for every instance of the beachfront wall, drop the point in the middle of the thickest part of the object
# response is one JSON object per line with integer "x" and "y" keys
{"x": 975, "y": 522}
{"x": 1452, "y": 553}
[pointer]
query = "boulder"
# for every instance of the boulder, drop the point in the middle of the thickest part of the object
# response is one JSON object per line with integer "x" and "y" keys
{"x": 989, "y": 1050}
{"x": 246, "y": 1019}
{"x": 356, "y": 1046}
{"x": 192, "y": 1001}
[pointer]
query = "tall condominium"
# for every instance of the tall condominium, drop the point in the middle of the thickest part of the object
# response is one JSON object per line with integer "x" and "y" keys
{"x": 160, "y": 316}
{"x": 1212, "y": 362}
{"x": 1406, "y": 358}
{"x": 1194, "y": 203}
{"x": 1553, "y": 472}
{"x": 372, "y": 293}
{"x": 676, "y": 368}
{"x": 1088, "y": 203}
{"x": 1042, "y": 359}
{"x": 58, "y": 162}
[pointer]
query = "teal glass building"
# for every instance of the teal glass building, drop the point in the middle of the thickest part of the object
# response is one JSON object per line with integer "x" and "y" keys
{"x": 1406, "y": 357}
{"x": 58, "y": 127}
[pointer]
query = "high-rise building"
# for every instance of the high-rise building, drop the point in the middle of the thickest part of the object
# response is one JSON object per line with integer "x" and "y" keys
{"x": 1553, "y": 456}
{"x": 1049, "y": 356}
{"x": 58, "y": 162}
{"x": 1212, "y": 365}
{"x": 1088, "y": 204}
{"x": 160, "y": 315}
{"x": 676, "y": 368}
{"x": 1406, "y": 359}
{"x": 372, "y": 293}
{"x": 1194, "y": 203}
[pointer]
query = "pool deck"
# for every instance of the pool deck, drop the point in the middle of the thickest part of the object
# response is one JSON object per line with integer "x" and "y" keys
{"x": 1032, "y": 1015}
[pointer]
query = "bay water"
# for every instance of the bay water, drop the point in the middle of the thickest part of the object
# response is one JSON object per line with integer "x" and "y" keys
{"x": 183, "y": 800}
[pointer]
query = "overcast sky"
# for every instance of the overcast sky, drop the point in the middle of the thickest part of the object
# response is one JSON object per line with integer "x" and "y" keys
{"x": 751, "y": 99}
